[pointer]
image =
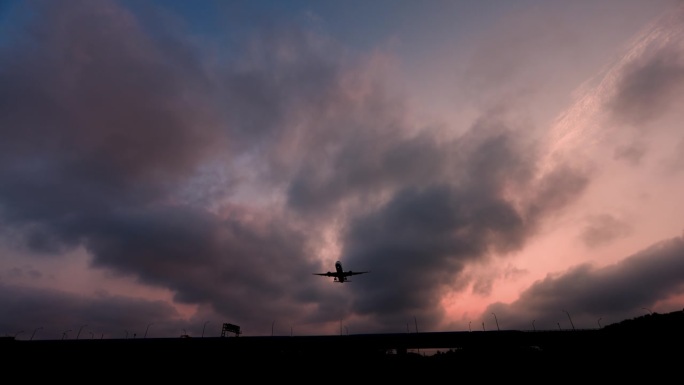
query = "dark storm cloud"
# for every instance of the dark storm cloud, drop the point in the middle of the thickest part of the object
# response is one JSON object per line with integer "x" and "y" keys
{"x": 236, "y": 265}
{"x": 105, "y": 128}
{"x": 418, "y": 243}
{"x": 587, "y": 293}
{"x": 377, "y": 154}
{"x": 94, "y": 115}
{"x": 101, "y": 125}
{"x": 364, "y": 166}
{"x": 427, "y": 237}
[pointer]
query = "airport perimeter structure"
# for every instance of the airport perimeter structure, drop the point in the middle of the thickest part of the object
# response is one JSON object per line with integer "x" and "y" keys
{"x": 359, "y": 346}
{"x": 650, "y": 342}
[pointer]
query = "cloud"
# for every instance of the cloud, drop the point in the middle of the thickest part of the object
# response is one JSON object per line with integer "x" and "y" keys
{"x": 651, "y": 79}
{"x": 49, "y": 314}
{"x": 219, "y": 173}
{"x": 108, "y": 148}
{"x": 587, "y": 293}
{"x": 649, "y": 87}
{"x": 106, "y": 129}
{"x": 632, "y": 154}
{"x": 603, "y": 229}
{"x": 429, "y": 233}
{"x": 95, "y": 116}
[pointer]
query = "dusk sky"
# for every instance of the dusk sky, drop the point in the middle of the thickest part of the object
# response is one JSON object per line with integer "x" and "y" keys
{"x": 170, "y": 166}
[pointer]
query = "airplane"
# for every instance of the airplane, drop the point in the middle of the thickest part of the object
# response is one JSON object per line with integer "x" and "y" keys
{"x": 339, "y": 274}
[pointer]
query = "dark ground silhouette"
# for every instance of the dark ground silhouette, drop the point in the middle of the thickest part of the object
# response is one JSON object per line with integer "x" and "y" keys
{"x": 646, "y": 344}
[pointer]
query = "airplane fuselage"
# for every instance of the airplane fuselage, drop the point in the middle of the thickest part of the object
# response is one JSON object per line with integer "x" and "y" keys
{"x": 340, "y": 276}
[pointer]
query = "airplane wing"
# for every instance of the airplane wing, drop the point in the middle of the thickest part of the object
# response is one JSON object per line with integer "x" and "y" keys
{"x": 328, "y": 274}
{"x": 348, "y": 273}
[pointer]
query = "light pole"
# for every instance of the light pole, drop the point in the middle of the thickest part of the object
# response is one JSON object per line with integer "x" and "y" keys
{"x": 147, "y": 328}
{"x": 469, "y": 329}
{"x": 533, "y": 328}
{"x": 497, "y": 322}
{"x": 571, "y": 324}
{"x": 416, "y": 322}
{"x": 599, "y": 322}
{"x": 483, "y": 329}
{"x": 34, "y": 332}
{"x": 204, "y": 327}
{"x": 79, "y": 330}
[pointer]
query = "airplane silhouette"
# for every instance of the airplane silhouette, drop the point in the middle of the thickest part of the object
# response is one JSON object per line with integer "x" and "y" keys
{"x": 339, "y": 274}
